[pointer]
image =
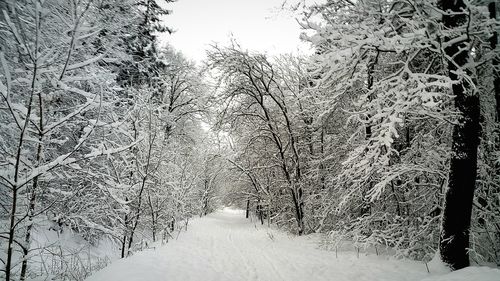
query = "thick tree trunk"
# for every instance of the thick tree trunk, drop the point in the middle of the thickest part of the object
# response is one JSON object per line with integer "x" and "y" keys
{"x": 456, "y": 220}
{"x": 496, "y": 62}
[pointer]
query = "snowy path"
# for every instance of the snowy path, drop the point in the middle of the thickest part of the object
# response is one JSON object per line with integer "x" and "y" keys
{"x": 226, "y": 246}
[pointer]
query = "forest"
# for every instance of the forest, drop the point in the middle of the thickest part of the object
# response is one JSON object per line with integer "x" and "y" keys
{"x": 386, "y": 136}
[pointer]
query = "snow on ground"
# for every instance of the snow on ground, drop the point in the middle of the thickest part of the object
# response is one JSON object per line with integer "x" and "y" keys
{"x": 226, "y": 246}
{"x": 60, "y": 252}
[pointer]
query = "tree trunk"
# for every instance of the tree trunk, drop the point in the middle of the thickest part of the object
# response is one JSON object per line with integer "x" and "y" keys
{"x": 493, "y": 45}
{"x": 456, "y": 220}
{"x": 32, "y": 196}
{"x": 30, "y": 215}
{"x": 205, "y": 208}
{"x": 17, "y": 167}
{"x": 260, "y": 212}
{"x": 299, "y": 214}
{"x": 124, "y": 240}
{"x": 172, "y": 224}
{"x": 248, "y": 209}
{"x": 135, "y": 218}
{"x": 153, "y": 217}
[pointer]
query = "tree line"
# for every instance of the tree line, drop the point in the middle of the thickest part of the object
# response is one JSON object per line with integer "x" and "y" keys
{"x": 100, "y": 132}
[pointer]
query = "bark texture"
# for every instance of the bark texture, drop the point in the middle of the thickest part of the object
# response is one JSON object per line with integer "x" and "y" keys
{"x": 456, "y": 220}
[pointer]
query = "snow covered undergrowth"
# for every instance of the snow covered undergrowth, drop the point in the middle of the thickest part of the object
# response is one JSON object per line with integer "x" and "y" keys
{"x": 226, "y": 246}
{"x": 58, "y": 253}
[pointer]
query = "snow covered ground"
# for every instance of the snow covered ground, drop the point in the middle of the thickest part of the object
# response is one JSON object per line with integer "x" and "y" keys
{"x": 62, "y": 254}
{"x": 226, "y": 246}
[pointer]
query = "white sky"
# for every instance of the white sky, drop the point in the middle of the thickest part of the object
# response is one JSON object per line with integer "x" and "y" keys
{"x": 257, "y": 25}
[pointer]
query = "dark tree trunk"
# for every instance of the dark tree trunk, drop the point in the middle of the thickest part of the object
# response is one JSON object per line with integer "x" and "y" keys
{"x": 172, "y": 224}
{"x": 124, "y": 244}
{"x": 299, "y": 214}
{"x": 248, "y": 209}
{"x": 206, "y": 207}
{"x": 260, "y": 213}
{"x": 124, "y": 240}
{"x": 456, "y": 220}
{"x": 493, "y": 45}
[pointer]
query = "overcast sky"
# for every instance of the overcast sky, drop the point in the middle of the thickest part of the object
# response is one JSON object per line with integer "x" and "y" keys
{"x": 256, "y": 25}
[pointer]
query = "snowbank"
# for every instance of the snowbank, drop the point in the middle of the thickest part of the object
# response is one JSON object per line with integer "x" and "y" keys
{"x": 472, "y": 273}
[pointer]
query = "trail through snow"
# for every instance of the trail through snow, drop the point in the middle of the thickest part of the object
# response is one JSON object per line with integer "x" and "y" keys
{"x": 226, "y": 246}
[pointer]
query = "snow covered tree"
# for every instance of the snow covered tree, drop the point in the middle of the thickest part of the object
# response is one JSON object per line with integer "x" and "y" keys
{"x": 393, "y": 68}
{"x": 454, "y": 241}
{"x": 254, "y": 93}
{"x": 81, "y": 150}
{"x": 49, "y": 93}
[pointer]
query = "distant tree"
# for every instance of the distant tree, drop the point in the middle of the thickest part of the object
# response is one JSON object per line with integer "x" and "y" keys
{"x": 255, "y": 94}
